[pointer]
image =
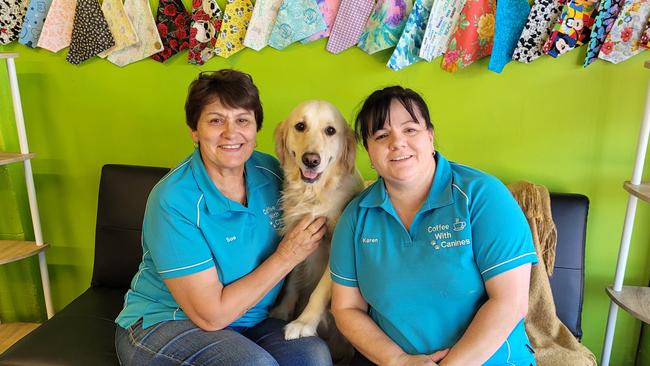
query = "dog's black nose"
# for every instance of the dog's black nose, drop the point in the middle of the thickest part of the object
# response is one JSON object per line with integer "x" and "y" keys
{"x": 310, "y": 160}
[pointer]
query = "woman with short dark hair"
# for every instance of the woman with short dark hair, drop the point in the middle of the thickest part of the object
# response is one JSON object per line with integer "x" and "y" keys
{"x": 213, "y": 262}
{"x": 431, "y": 263}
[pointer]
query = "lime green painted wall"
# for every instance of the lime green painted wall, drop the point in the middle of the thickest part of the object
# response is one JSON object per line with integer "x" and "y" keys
{"x": 550, "y": 122}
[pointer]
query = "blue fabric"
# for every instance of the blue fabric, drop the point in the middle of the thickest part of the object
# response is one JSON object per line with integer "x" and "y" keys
{"x": 33, "y": 22}
{"x": 510, "y": 20}
{"x": 407, "y": 50}
{"x": 181, "y": 342}
{"x": 189, "y": 226}
{"x": 296, "y": 20}
{"x": 424, "y": 286}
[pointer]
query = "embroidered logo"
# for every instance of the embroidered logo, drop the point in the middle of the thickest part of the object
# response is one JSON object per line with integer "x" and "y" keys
{"x": 458, "y": 225}
{"x": 230, "y": 239}
{"x": 369, "y": 241}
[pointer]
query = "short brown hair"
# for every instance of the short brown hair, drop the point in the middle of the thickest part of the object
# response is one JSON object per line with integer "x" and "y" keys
{"x": 234, "y": 89}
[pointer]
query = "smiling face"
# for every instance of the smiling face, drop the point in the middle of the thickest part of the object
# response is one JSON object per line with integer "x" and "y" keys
{"x": 226, "y": 137}
{"x": 312, "y": 140}
{"x": 402, "y": 150}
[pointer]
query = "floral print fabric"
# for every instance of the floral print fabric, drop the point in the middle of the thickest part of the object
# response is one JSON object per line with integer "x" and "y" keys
{"x": 408, "y": 47}
{"x": 607, "y": 13}
{"x": 296, "y": 20}
{"x": 623, "y": 40}
{"x": 473, "y": 36}
{"x": 261, "y": 23}
{"x": 328, "y": 9}
{"x": 236, "y": 18}
{"x": 90, "y": 32}
{"x": 572, "y": 28}
{"x": 172, "y": 21}
{"x": 385, "y": 25}
{"x": 149, "y": 41}
{"x": 442, "y": 23}
{"x": 204, "y": 28}
{"x": 57, "y": 28}
{"x": 543, "y": 15}
{"x": 120, "y": 26}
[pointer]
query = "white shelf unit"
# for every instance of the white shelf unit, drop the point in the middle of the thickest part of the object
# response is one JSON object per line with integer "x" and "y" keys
{"x": 633, "y": 299}
{"x": 13, "y": 250}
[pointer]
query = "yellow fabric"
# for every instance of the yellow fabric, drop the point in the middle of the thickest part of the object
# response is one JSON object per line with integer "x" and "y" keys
{"x": 554, "y": 344}
{"x": 120, "y": 26}
{"x": 237, "y": 16}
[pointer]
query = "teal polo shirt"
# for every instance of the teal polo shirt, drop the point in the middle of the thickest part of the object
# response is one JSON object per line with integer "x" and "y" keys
{"x": 189, "y": 226}
{"x": 425, "y": 285}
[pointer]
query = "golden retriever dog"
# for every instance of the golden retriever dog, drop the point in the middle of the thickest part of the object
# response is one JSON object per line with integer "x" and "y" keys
{"x": 317, "y": 151}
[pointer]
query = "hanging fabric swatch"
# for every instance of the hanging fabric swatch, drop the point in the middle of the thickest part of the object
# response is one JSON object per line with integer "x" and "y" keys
{"x": 206, "y": 23}
{"x": 407, "y": 50}
{"x": 173, "y": 23}
{"x": 90, "y": 32}
{"x": 237, "y": 15}
{"x": 543, "y": 15}
{"x": 510, "y": 19}
{"x": 572, "y": 28}
{"x": 473, "y": 36}
{"x": 442, "y": 23}
{"x": 622, "y": 42}
{"x": 296, "y": 20}
{"x": 261, "y": 24}
{"x": 57, "y": 28}
{"x": 11, "y": 19}
{"x": 645, "y": 36}
{"x": 607, "y": 13}
{"x": 349, "y": 24}
{"x": 33, "y": 23}
{"x": 385, "y": 25}
{"x": 328, "y": 9}
{"x": 120, "y": 26}
{"x": 149, "y": 41}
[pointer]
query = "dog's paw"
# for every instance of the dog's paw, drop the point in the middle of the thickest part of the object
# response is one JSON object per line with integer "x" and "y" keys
{"x": 298, "y": 329}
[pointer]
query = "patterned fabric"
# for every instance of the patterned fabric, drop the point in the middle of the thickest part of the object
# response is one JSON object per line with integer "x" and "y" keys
{"x": 510, "y": 19}
{"x": 173, "y": 23}
{"x": 149, "y": 41}
{"x": 623, "y": 40}
{"x": 236, "y": 17}
{"x": 206, "y": 23}
{"x": 296, "y": 20}
{"x": 473, "y": 36}
{"x": 385, "y": 25}
{"x": 57, "y": 28}
{"x": 607, "y": 13}
{"x": 541, "y": 19}
{"x": 328, "y": 9}
{"x": 33, "y": 22}
{"x": 407, "y": 50}
{"x": 349, "y": 24}
{"x": 645, "y": 37}
{"x": 261, "y": 24}
{"x": 572, "y": 28}
{"x": 120, "y": 26}
{"x": 442, "y": 23}
{"x": 12, "y": 13}
{"x": 90, "y": 32}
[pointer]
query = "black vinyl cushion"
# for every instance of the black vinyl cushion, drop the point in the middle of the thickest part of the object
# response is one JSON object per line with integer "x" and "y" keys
{"x": 83, "y": 332}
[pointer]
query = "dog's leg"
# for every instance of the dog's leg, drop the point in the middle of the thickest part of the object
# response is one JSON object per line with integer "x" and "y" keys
{"x": 307, "y": 322}
{"x": 285, "y": 309}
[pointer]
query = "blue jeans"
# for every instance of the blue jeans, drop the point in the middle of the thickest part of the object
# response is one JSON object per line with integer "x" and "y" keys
{"x": 180, "y": 342}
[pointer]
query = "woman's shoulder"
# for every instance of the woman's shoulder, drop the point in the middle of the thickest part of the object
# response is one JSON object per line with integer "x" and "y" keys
{"x": 267, "y": 164}
{"x": 473, "y": 181}
{"x": 175, "y": 187}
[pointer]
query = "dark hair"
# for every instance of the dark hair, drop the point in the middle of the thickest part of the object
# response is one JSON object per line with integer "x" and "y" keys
{"x": 234, "y": 89}
{"x": 376, "y": 109}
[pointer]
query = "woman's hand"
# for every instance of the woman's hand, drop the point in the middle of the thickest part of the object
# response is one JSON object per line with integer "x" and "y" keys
{"x": 417, "y": 360}
{"x": 302, "y": 240}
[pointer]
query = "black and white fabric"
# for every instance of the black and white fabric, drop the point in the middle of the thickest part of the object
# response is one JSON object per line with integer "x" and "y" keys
{"x": 542, "y": 16}
{"x": 12, "y": 13}
{"x": 90, "y": 32}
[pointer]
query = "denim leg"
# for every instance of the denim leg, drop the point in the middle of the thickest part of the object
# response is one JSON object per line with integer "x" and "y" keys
{"x": 180, "y": 342}
{"x": 307, "y": 351}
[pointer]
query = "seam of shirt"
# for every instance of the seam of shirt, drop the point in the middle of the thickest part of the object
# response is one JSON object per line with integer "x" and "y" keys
{"x": 270, "y": 171}
{"x": 345, "y": 278}
{"x": 461, "y": 191}
{"x": 508, "y": 261}
{"x": 186, "y": 267}
{"x": 198, "y": 212}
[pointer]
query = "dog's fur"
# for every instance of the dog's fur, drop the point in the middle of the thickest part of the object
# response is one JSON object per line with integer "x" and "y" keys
{"x": 311, "y": 189}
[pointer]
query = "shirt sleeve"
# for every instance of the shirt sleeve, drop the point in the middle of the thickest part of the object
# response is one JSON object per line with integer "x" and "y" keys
{"x": 176, "y": 244}
{"x": 342, "y": 258}
{"x": 501, "y": 236}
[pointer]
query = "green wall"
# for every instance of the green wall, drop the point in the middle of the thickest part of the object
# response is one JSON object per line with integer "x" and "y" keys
{"x": 551, "y": 122}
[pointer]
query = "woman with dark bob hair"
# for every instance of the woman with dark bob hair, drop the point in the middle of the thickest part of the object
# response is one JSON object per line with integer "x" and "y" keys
{"x": 213, "y": 262}
{"x": 431, "y": 263}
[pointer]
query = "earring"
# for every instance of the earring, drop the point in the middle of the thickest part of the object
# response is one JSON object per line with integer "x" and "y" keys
{"x": 434, "y": 153}
{"x": 372, "y": 166}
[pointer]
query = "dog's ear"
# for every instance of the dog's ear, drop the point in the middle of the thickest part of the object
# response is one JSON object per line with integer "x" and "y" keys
{"x": 349, "y": 156}
{"x": 280, "y": 135}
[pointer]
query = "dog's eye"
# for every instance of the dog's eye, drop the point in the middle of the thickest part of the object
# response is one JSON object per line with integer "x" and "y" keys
{"x": 329, "y": 131}
{"x": 300, "y": 126}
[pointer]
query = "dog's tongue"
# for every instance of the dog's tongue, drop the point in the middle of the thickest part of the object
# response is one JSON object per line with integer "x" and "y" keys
{"x": 309, "y": 174}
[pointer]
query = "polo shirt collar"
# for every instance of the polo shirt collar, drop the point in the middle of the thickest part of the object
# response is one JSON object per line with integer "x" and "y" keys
{"x": 215, "y": 201}
{"x": 440, "y": 194}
